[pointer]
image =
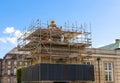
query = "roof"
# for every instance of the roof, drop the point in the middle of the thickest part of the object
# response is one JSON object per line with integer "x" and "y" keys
{"x": 15, "y": 51}
{"x": 113, "y": 46}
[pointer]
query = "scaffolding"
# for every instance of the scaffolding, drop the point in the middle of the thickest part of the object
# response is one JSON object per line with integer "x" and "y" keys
{"x": 54, "y": 44}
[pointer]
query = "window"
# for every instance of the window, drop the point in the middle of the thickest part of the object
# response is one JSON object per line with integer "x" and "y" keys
{"x": 87, "y": 63}
{"x": 26, "y": 63}
{"x": 108, "y": 72}
{"x": 8, "y": 72}
{"x": 20, "y": 63}
{"x": 15, "y": 71}
{"x": 8, "y": 80}
{"x": 15, "y": 63}
{"x": 9, "y": 62}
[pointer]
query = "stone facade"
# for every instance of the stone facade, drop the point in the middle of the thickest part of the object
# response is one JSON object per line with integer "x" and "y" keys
{"x": 10, "y": 63}
{"x": 106, "y": 65}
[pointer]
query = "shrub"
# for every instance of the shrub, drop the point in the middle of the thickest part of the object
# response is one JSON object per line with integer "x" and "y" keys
{"x": 19, "y": 72}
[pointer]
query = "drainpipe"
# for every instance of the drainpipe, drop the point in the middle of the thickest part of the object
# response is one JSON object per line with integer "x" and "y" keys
{"x": 98, "y": 60}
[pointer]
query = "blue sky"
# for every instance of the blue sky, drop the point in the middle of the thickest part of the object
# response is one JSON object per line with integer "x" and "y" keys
{"x": 15, "y": 15}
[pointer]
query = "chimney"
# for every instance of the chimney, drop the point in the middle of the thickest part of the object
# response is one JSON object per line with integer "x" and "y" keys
{"x": 117, "y": 41}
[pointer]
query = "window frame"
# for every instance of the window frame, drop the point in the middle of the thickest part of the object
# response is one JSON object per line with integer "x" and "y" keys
{"x": 108, "y": 71}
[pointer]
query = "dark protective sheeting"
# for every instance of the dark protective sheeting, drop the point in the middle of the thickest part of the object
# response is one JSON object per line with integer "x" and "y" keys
{"x": 58, "y": 72}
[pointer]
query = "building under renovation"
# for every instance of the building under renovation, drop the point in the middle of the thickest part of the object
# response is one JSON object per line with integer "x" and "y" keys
{"x": 56, "y": 53}
{"x": 60, "y": 54}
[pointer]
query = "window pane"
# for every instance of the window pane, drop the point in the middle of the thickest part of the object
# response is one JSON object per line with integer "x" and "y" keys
{"x": 105, "y": 66}
{"x": 106, "y": 76}
{"x": 110, "y": 76}
{"x": 110, "y": 66}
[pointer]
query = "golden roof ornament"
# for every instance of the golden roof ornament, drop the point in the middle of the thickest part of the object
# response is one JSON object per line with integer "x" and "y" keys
{"x": 52, "y": 24}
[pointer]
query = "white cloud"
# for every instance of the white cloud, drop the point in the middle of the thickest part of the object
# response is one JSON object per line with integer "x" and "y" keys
{"x": 3, "y": 40}
{"x": 12, "y": 40}
{"x": 9, "y": 30}
{"x": 10, "y": 35}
